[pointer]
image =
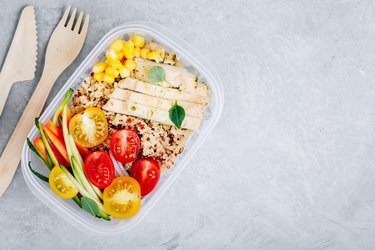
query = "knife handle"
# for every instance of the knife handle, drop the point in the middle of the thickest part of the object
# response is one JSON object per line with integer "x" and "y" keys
{"x": 12, "y": 153}
{"x": 5, "y": 86}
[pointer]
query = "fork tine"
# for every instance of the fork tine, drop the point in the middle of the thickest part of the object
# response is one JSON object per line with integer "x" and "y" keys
{"x": 78, "y": 23}
{"x": 71, "y": 19}
{"x": 85, "y": 25}
{"x": 64, "y": 19}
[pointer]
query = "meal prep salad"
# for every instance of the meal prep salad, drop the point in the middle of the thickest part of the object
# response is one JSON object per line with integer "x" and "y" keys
{"x": 110, "y": 140}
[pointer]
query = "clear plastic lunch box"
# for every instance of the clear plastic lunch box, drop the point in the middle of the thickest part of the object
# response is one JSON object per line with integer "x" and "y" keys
{"x": 191, "y": 59}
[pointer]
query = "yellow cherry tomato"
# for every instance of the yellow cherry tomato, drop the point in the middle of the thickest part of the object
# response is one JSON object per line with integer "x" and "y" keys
{"x": 61, "y": 184}
{"x": 89, "y": 128}
{"x": 122, "y": 198}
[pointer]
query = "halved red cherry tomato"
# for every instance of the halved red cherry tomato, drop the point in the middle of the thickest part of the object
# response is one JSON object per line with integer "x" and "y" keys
{"x": 99, "y": 169}
{"x": 147, "y": 173}
{"x": 125, "y": 145}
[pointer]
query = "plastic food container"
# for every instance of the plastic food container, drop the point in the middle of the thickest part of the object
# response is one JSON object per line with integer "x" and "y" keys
{"x": 191, "y": 59}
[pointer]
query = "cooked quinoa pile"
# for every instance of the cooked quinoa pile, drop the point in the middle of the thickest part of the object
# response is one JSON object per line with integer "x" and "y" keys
{"x": 159, "y": 142}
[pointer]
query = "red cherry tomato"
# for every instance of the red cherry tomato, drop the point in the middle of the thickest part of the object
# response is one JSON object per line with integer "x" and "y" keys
{"x": 99, "y": 169}
{"x": 147, "y": 173}
{"x": 125, "y": 145}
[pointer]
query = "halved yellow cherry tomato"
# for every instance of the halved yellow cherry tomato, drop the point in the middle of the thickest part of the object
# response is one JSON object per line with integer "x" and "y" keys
{"x": 89, "y": 128}
{"x": 122, "y": 198}
{"x": 61, "y": 184}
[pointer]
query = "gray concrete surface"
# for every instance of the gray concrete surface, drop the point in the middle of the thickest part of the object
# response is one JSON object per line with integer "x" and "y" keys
{"x": 290, "y": 164}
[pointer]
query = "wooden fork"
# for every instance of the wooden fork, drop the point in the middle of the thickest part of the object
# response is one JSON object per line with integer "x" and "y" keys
{"x": 64, "y": 45}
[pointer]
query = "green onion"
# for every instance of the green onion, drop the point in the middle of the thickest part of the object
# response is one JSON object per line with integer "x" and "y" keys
{"x": 62, "y": 105}
{"x": 44, "y": 139}
{"x": 39, "y": 175}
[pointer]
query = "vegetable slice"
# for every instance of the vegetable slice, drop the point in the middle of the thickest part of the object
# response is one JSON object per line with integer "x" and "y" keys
{"x": 37, "y": 174}
{"x": 57, "y": 143}
{"x": 68, "y": 94}
{"x": 38, "y": 143}
{"x": 49, "y": 150}
{"x": 57, "y": 131}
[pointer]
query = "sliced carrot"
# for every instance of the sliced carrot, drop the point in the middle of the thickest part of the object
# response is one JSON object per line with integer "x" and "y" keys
{"x": 59, "y": 156}
{"x": 84, "y": 152}
{"x": 56, "y": 142}
{"x": 39, "y": 145}
{"x": 57, "y": 131}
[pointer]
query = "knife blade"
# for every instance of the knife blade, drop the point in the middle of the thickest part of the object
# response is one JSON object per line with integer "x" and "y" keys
{"x": 20, "y": 62}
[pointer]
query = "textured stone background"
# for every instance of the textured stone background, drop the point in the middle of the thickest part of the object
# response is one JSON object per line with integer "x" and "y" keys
{"x": 290, "y": 164}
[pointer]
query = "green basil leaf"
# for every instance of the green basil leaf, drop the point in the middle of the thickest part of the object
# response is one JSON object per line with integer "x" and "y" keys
{"x": 177, "y": 115}
{"x": 156, "y": 74}
{"x": 89, "y": 206}
{"x": 39, "y": 175}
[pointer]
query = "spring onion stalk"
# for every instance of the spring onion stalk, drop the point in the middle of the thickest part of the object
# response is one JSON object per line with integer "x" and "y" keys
{"x": 65, "y": 131}
{"x": 62, "y": 105}
{"x": 77, "y": 200}
{"x": 81, "y": 189}
{"x": 44, "y": 139}
{"x": 76, "y": 154}
{"x": 39, "y": 175}
{"x": 83, "y": 179}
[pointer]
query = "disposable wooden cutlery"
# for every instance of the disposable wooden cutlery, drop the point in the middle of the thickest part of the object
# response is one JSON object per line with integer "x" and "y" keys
{"x": 64, "y": 45}
{"x": 20, "y": 62}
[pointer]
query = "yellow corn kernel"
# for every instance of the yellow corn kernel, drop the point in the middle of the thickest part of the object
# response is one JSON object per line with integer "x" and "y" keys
{"x": 99, "y": 76}
{"x": 99, "y": 67}
{"x": 108, "y": 79}
{"x": 117, "y": 45}
{"x": 128, "y": 49}
{"x": 153, "y": 55}
{"x": 111, "y": 72}
{"x": 130, "y": 64}
{"x": 120, "y": 55}
{"x": 124, "y": 72}
{"x": 138, "y": 41}
{"x": 137, "y": 52}
{"x": 111, "y": 54}
{"x": 144, "y": 52}
{"x": 107, "y": 62}
{"x": 115, "y": 63}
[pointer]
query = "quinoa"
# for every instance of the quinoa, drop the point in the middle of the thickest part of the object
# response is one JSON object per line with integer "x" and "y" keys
{"x": 162, "y": 143}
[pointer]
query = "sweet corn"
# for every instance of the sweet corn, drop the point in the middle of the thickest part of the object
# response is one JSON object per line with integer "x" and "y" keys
{"x": 124, "y": 72}
{"x": 99, "y": 67}
{"x": 137, "y": 52}
{"x": 144, "y": 52}
{"x": 99, "y": 76}
{"x": 107, "y": 62}
{"x": 130, "y": 64}
{"x": 115, "y": 63}
{"x": 128, "y": 49}
{"x": 111, "y": 72}
{"x": 138, "y": 41}
{"x": 108, "y": 79}
{"x": 111, "y": 54}
{"x": 120, "y": 55}
{"x": 117, "y": 45}
{"x": 153, "y": 55}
